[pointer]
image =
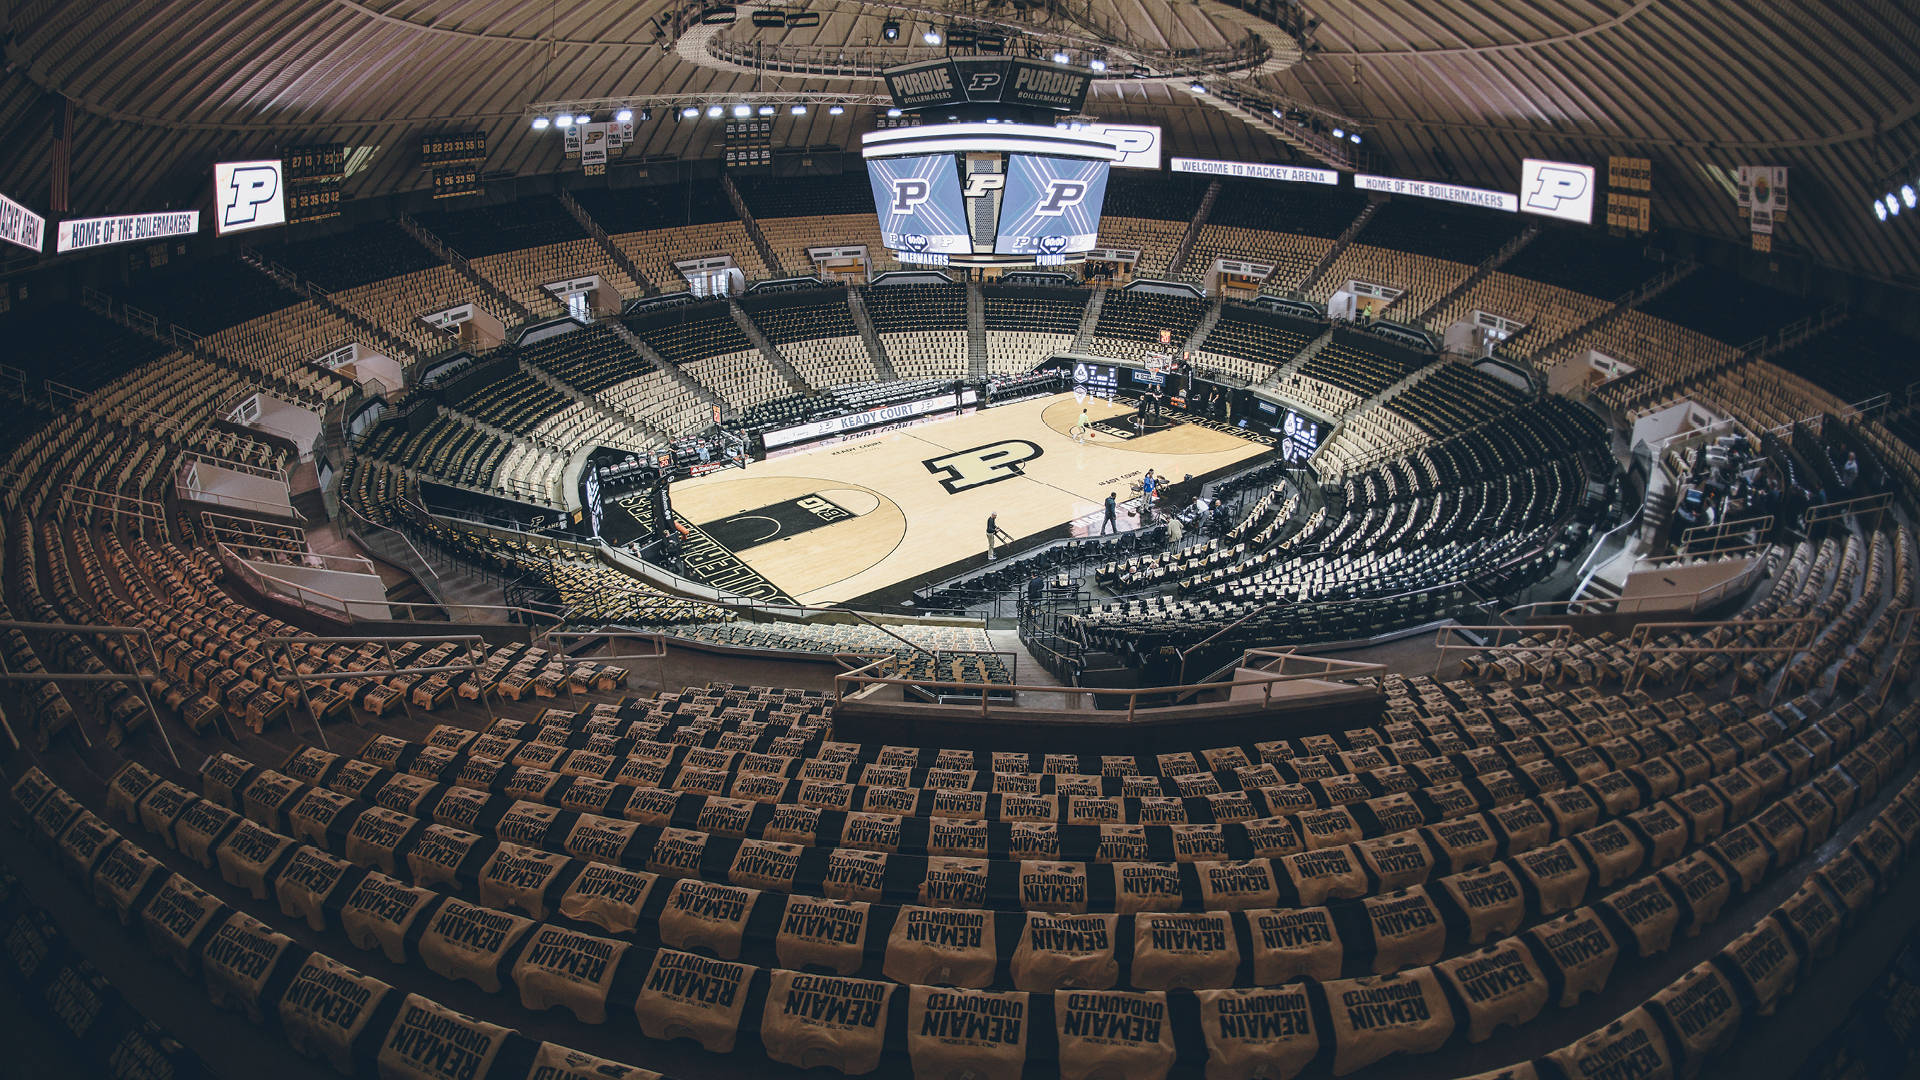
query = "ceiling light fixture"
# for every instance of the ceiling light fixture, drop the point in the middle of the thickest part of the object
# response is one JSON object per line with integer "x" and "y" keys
{"x": 1097, "y": 64}
{"x": 890, "y": 30}
{"x": 797, "y": 110}
{"x": 836, "y": 109}
{"x": 540, "y": 123}
{"x": 714, "y": 111}
{"x": 931, "y": 37}
{"x": 563, "y": 120}
{"x": 893, "y": 112}
{"x": 624, "y": 116}
{"x": 689, "y": 113}
{"x": 1059, "y": 58}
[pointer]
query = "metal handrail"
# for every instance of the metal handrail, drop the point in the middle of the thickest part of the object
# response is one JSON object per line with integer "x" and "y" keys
{"x": 1247, "y": 674}
{"x": 140, "y": 683}
{"x": 659, "y": 639}
{"x": 301, "y": 591}
{"x": 301, "y": 678}
{"x": 1681, "y": 556}
{"x": 1763, "y": 522}
{"x": 1560, "y": 636}
{"x": 348, "y": 506}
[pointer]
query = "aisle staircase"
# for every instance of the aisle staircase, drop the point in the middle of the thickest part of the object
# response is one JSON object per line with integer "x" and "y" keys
{"x": 1205, "y": 326}
{"x": 1192, "y": 234}
{"x": 1493, "y": 262}
{"x": 1554, "y": 351}
{"x": 758, "y": 237}
{"x": 1089, "y": 318}
{"x": 779, "y": 363}
{"x": 464, "y": 268}
{"x": 1333, "y": 253}
{"x": 976, "y": 332}
{"x": 863, "y": 320}
{"x": 1307, "y": 352}
{"x": 619, "y": 257}
{"x": 674, "y": 371}
{"x": 647, "y": 432}
{"x": 379, "y": 338}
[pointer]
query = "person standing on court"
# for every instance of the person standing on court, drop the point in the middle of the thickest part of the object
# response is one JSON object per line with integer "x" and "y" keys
{"x": 1080, "y": 429}
{"x": 995, "y": 532}
{"x": 1108, "y": 524}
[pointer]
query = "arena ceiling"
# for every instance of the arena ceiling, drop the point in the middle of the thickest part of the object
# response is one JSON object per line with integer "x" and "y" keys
{"x": 1441, "y": 89}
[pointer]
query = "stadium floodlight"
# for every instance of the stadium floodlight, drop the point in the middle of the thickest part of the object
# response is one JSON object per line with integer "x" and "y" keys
{"x": 714, "y": 111}
{"x": 931, "y": 37}
{"x": 1907, "y": 195}
{"x": 624, "y": 116}
{"x": 1338, "y": 134}
{"x": 540, "y": 123}
{"x": 836, "y": 109}
{"x": 1354, "y": 138}
{"x": 1879, "y": 210}
{"x": 893, "y": 112}
{"x": 890, "y": 30}
{"x": 583, "y": 118}
{"x": 797, "y": 110}
{"x": 690, "y": 112}
{"x": 1197, "y": 88}
{"x": 563, "y": 120}
{"x": 1893, "y": 205}
{"x": 765, "y": 110}
{"x": 1097, "y": 64}
{"x": 742, "y": 111}
{"x": 1059, "y": 58}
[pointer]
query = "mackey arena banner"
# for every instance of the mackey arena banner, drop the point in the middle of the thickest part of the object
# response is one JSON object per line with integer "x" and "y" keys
{"x": 83, "y": 233}
{"x": 19, "y": 225}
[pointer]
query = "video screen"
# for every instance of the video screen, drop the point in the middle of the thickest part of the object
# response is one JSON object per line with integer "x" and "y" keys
{"x": 1300, "y": 437}
{"x": 1052, "y": 205}
{"x": 917, "y": 200}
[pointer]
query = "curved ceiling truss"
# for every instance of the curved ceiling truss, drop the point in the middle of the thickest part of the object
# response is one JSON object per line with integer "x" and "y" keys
{"x": 1443, "y": 89}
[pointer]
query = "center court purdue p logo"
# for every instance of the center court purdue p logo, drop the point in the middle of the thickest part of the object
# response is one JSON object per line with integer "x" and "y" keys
{"x": 965, "y": 470}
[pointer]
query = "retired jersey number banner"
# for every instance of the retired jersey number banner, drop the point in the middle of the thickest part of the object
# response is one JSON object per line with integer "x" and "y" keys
{"x": 19, "y": 225}
{"x": 83, "y": 233}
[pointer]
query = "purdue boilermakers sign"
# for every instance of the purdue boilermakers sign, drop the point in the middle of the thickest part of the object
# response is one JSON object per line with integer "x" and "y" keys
{"x": 991, "y": 81}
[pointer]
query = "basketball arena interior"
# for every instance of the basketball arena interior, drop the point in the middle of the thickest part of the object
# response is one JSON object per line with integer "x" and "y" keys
{"x": 1197, "y": 539}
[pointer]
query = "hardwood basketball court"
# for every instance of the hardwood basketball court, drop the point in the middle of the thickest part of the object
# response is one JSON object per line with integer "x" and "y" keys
{"x": 851, "y": 518}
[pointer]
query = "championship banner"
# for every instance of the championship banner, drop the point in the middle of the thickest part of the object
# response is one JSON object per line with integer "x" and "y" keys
{"x": 1761, "y": 185}
{"x": 19, "y": 225}
{"x": 82, "y": 233}
{"x": 1253, "y": 170}
{"x": 593, "y": 148}
{"x": 1430, "y": 189}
